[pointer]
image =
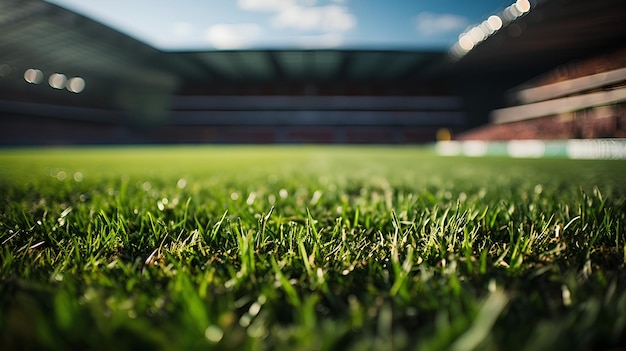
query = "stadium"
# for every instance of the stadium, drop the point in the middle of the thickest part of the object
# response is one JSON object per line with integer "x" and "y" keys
{"x": 333, "y": 193}
{"x": 134, "y": 93}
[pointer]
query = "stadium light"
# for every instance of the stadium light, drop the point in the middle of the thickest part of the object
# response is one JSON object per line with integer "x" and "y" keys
{"x": 475, "y": 35}
{"x": 76, "y": 85}
{"x": 512, "y": 12}
{"x": 33, "y": 76}
{"x": 486, "y": 28}
{"x": 57, "y": 80}
{"x": 466, "y": 43}
{"x": 523, "y": 6}
{"x": 495, "y": 23}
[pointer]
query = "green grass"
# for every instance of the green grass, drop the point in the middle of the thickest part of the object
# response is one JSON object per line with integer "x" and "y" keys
{"x": 311, "y": 248}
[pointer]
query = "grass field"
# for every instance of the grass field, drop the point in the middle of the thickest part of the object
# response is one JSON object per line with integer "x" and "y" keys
{"x": 309, "y": 248}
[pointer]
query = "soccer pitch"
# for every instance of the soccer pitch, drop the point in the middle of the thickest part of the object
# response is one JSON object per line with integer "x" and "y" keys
{"x": 309, "y": 248}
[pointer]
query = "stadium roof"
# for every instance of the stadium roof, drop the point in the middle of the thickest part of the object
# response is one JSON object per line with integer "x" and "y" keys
{"x": 315, "y": 65}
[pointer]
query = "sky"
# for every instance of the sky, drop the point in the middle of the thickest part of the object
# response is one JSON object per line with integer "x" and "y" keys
{"x": 280, "y": 24}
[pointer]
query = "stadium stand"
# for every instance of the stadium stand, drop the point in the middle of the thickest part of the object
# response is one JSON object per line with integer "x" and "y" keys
{"x": 580, "y": 100}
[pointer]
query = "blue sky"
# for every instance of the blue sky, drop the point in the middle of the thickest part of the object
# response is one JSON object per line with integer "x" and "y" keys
{"x": 277, "y": 24}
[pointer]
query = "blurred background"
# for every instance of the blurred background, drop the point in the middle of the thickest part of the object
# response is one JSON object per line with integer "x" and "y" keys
{"x": 306, "y": 71}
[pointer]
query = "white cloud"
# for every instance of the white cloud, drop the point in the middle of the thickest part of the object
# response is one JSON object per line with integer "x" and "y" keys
{"x": 233, "y": 36}
{"x": 273, "y": 5}
{"x": 428, "y": 23}
{"x": 303, "y": 14}
{"x": 264, "y": 5}
{"x": 320, "y": 26}
{"x": 331, "y": 18}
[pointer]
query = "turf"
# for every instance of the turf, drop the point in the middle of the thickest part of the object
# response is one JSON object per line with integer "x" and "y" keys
{"x": 309, "y": 248}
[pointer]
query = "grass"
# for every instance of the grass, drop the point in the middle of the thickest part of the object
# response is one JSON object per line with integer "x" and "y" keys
{"x": 311, "y": 248}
